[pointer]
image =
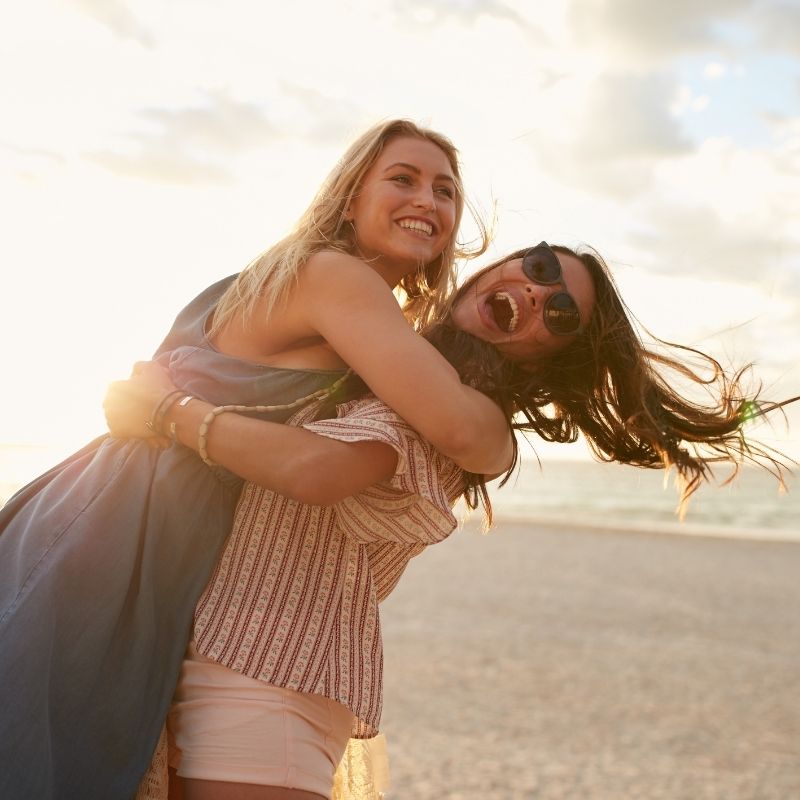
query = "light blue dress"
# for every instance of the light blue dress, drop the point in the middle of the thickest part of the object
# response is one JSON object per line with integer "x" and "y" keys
{"x": 102, "y": 560}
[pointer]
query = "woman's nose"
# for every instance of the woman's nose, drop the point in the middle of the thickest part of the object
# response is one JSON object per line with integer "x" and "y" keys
{"x": 425, "y": 199}
{"x": 536, "y": 293}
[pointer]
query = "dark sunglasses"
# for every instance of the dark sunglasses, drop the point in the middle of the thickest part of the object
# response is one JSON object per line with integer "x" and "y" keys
{"x": 561, "y": 316}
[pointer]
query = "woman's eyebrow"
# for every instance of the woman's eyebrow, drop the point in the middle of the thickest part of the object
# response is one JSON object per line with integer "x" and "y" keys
{"x": 440, "y": 177}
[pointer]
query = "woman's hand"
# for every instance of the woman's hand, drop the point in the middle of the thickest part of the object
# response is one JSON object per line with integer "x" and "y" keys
{"x": 129, "y": 405}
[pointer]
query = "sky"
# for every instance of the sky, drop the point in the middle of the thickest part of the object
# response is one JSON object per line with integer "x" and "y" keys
{"x": 149, "y": 148}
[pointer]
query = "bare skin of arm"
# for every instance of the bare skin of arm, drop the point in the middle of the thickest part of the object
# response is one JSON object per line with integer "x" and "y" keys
{"x": 348, "y": 309}
{"x": 340, "y": 313}
{"x": 292, "y": 461}
{"x": 400, "y": 367}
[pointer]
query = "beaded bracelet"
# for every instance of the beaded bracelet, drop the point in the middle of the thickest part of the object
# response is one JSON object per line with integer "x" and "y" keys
{"x": 208, "y": 419}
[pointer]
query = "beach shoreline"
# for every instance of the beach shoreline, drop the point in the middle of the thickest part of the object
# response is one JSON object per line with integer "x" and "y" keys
{"x": 563, "y": 494}
{"x": 642, "y": 526}
{"x": 545, "y": 663}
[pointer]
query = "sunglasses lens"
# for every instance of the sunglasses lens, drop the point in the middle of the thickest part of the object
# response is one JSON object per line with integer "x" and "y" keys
{"x": 541, "y": 266}
{"x": 561, "y": 315}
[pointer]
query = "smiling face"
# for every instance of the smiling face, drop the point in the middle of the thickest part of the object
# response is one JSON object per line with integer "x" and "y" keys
{"x": 405, "y": 209}
{"x": 504, "y": 307}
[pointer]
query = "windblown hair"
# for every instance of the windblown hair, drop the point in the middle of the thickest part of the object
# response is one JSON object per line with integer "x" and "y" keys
{"x": 628, "y": 400}
{"x": 323, "y": 226}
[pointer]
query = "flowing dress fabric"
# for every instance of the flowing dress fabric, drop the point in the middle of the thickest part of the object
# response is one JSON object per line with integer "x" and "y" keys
{"x": 102, "y": 560}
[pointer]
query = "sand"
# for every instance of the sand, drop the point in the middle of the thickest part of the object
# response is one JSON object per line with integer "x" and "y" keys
{"x": 546, "y": 664}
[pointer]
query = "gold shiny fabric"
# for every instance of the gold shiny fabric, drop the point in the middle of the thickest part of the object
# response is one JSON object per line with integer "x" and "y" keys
{"x": 362, "y": 774}
{"x": 155, "y": 784}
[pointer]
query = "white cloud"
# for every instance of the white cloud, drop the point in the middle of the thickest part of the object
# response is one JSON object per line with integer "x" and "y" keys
{"x": 714, "y": 70}
{"x": 118, "y": 18}
{"x": 165, "y": 162}
{"x": 628, "y": 115}
{"x": 620, "y": 128}
{"x": 726, "y": 211}
{"x": 645, "y": 33}
{"x": 786, "y": 145}
{"x": 189, "y": 145}
{"x": 325, "y": 116}
{"x": 778, "y": 23}
{"x": 685, "y": 100}
{"x": 723, "y": 222}
{"x": 466, "y": 11}
{"x": 219, "y": 122}
{"x": 698, "y": 241}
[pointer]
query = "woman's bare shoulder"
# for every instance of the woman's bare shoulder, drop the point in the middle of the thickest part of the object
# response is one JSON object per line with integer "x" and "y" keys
{"x": 330, "y": 273}
{"x": 328, "y": 257}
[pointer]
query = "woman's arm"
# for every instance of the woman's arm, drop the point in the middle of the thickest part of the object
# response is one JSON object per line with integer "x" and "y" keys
{"x": 352, "y": 309}
{"x": 291, "y": 461}
{"x": 347, "y": 303}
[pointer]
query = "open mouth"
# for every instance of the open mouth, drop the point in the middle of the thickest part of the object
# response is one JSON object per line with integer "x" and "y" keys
{"x": 505, "y": 311}
{"x": 417, "y": 225}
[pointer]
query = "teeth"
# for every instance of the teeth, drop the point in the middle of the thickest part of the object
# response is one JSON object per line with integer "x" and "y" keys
{"x": 417, "y": 225}
{"x": 506, "y": 312}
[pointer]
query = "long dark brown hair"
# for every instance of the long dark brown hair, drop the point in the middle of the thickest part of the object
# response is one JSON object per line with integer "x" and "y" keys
{"x": 622, "y": 395}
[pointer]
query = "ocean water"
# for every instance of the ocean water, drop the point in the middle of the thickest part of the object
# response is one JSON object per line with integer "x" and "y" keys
{"x": 580, "y": 493}
{"x": 614, "y": 496}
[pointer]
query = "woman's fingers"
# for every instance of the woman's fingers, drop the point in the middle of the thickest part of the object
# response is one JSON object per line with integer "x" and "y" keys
{"x": 143, "y": 367}
{"x": 149, "y": 374}
{"x": 129, "y": 405}
{"x": 148, "y": 368}
{"x": 126, "y": 411}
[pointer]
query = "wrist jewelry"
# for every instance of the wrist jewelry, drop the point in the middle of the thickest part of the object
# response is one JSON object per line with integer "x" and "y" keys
{"x": 173, "y": 426}
{"x": 164, "y": 405}
{"x": 208, "y": 419}
{"x": 160, "y": 409}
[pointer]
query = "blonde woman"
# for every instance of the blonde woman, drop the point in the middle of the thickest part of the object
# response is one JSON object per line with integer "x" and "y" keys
{"x": 102, "y": 559}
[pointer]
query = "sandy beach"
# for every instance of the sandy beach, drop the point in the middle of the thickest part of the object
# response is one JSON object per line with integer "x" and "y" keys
{"x": 549, "y": 664}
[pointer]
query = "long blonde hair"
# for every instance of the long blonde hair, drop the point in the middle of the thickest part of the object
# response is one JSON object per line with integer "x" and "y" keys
{"x": 269, "y": 278}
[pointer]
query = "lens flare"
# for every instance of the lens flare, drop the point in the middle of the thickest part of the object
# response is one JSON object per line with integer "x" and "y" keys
{"x": 748, "y": 411}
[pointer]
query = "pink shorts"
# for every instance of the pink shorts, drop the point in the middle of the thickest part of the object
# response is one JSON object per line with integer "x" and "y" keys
{"x": 225, "y": 726}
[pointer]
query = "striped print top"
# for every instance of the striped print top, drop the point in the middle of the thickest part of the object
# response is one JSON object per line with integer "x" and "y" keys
{"x": 294, "y": 598}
